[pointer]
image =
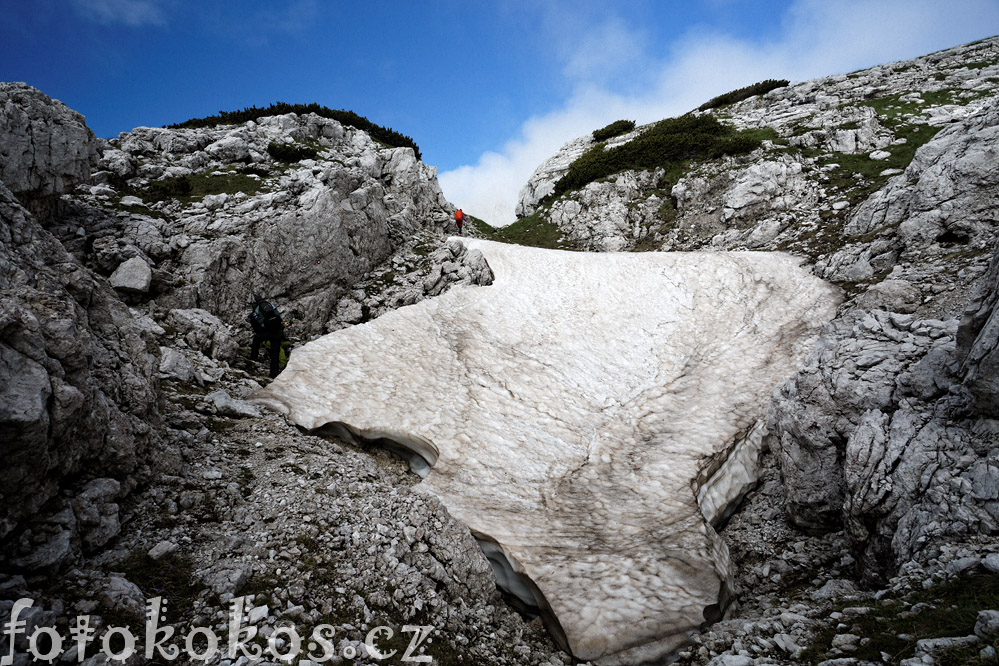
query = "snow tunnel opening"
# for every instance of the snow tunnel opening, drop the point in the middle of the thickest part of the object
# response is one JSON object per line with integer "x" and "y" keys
{"x": 418, "y": 452}
{"x": 519, "y": 591}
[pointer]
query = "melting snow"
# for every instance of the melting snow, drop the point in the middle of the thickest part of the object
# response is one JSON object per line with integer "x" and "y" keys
{"x": 587, "y": 416}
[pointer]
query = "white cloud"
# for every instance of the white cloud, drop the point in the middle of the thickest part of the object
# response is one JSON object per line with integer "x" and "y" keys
{"x": 817, "y": 38}
{"x": 129, "y": 12}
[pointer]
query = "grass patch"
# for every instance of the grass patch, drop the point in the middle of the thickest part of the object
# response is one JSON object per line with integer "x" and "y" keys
{"x": 170, "y": 577}
{"x": 948, "y": 609}
{"x": 534, "y": 230}
{"x": 187, "y": 189}
{"x": 291, "y": 152}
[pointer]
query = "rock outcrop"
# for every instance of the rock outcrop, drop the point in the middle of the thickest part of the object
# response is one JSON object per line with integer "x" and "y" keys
{"x": 881, "y": 178}
{"x": 832, "y": 143}
{"x": 78, "y": 395}
{"x": 215, "y": 218}
{"x": 47, "y": 148}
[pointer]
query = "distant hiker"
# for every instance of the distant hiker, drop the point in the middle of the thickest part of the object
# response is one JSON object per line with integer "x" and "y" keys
{"x": 459, "y": 219}
{"x": 267, "y": 325}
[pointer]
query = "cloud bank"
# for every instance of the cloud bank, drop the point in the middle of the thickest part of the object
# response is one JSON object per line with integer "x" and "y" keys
{"x": 816, "y": 38}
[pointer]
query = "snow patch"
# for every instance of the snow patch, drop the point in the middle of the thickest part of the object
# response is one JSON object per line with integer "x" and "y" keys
{"x": 589, "y": 415}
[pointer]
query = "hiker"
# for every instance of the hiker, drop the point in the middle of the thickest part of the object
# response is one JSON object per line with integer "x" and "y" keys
{"x": 459, "y": 219}
{"x": 267, "y": 325}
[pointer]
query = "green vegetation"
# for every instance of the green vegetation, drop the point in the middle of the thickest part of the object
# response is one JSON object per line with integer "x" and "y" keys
{"x": 534, "y": 230}
{"x": 197, "y": 186}
{"x": 893, "y": 626}
{"x": 743, "y": 93}
{"x": 291, "y": 152}
{"x": 616, "y": 128}
{"x": 667, "y": 144}
{"x": 386, "y": 135}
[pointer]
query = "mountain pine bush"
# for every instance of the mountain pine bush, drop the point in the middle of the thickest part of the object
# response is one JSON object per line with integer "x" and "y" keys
{"x": 386, "y": 135}
{"x": 616, "y": 128}
{"x": 743, "y": 93}
{"x": 666, "y": 144}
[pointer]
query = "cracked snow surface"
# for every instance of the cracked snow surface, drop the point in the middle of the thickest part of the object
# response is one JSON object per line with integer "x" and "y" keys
{"x": 587, "y": 416}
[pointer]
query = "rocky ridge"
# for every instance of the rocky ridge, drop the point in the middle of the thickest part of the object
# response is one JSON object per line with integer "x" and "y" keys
{"x": 129, "y": 466}
{"x": 883, "y": 443}
{"x": 168, "y": 376}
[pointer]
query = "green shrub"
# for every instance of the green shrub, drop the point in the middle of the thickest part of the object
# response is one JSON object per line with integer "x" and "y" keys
{"x": 616, "y": 128}
{"x": 743, "y": 93}
{"x": 666, "y": 144}
{"x": 291, "y": 152}
{"x": 386, "y": 135}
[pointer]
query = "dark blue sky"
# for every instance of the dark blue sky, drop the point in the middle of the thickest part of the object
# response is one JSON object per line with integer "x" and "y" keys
{"x": 487, "y": 89}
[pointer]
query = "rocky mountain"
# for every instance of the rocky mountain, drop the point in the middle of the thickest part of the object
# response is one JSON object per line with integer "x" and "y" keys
{"x": 882, "y": 180}
{"x": 135, "y": 466}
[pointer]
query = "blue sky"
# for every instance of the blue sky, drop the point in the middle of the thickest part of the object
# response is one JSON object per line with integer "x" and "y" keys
{"x": 487, "y": 89}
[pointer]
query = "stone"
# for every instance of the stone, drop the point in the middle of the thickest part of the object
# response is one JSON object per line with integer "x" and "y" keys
{"x": 731, "y": 660}
{"x": 133, "y": 275}
{"x": 124, "y": 596}
{"x": 97, "y": 512}
{"x": 226, "y": 405}
{"x": 77, "y": 385}
{"x": 991, "y": 562}
{"x": 987, "y": 625}
{"x": 162, "y": 549}
{"x": 46, "y": 148}
{"x": 835, "y": 590}
{"x": 978, "y": 342}
{"x": 175, "y": 365}
{"x": 204, "y": 332}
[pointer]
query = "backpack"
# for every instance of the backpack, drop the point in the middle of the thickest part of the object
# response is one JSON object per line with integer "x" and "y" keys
{"x": 266, "y": 318}
{"x": 459, "y": 217}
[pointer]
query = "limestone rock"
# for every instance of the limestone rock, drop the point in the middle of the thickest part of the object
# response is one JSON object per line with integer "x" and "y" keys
{"x": 77, "y": 391}
{"x": 203, "y": 331}
{"x": 97, "y": 512}
{"x": 124, "y": 596}
{"x": 946, "y": 192}
{"x": 132, "y": 275}
{"x": 229, "y": 406}
{"x": 174, "y": 365}
{"x": 302, "y": 236}
{"x": 46, "y": 147}
{"x": 978, "y": 342}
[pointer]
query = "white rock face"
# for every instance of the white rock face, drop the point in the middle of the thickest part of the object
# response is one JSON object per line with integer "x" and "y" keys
{"x": 572, "y": 413}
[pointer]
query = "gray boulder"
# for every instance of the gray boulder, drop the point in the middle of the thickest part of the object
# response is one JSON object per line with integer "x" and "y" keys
{"x": 204, "y": 332}
{"x": 97, "y": 513}
{"x": 46, "y": 148}
{"x": 889, "y": 432}
{"x": 133, "y": 275}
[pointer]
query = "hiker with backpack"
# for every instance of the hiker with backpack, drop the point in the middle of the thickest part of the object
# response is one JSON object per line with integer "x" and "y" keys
{"x": 459, "y": 219}
{"x": 267, "y": 325}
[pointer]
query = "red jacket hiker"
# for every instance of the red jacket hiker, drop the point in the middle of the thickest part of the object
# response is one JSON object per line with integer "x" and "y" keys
{"x": 459, "y": 219}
